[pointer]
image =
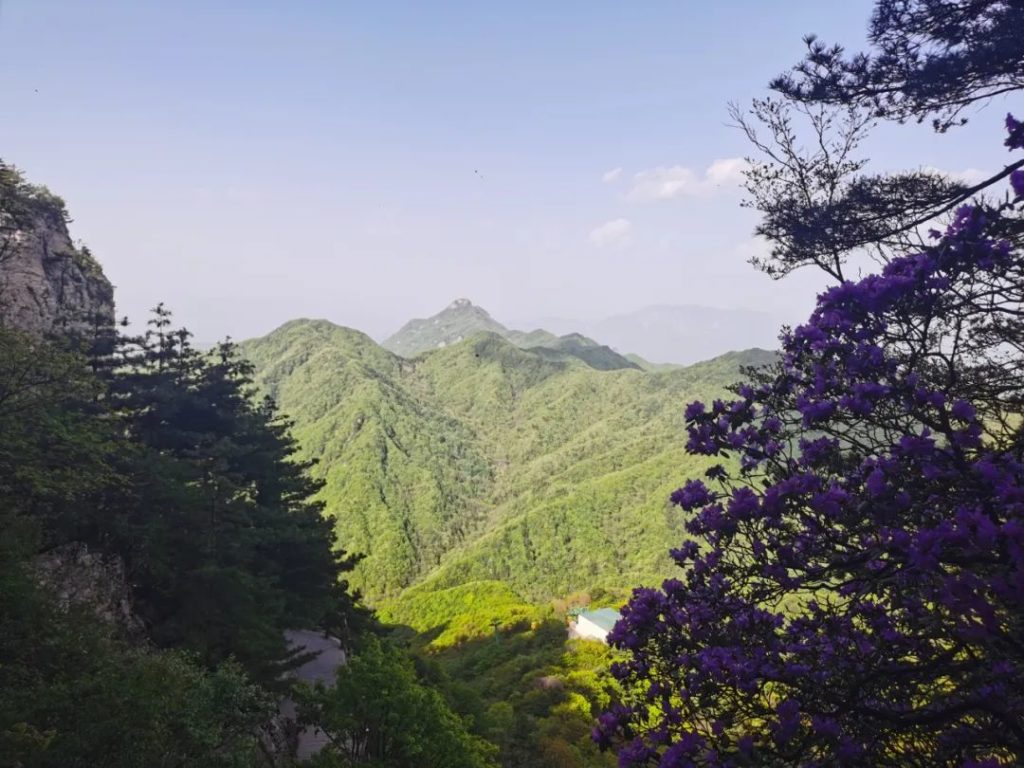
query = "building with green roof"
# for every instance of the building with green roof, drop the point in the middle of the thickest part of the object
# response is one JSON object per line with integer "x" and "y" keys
{"x": 596, "y": 625}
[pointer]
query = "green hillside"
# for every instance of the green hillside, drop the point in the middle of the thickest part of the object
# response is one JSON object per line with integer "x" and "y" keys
{"x": 462, "y": 319}
{"x": 481, "y": 461}
{"x": 595, "y": 355}
{"x": 646, "y": 365}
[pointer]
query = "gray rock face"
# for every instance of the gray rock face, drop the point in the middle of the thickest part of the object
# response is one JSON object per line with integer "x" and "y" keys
{"x": 46, "y": 283}
{"x": 81, "y": 578}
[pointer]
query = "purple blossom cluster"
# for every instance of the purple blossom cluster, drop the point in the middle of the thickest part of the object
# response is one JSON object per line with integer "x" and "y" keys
{"x": 853, "y": 589}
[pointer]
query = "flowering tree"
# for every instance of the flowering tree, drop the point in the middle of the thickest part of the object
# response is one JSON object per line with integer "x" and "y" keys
{"x": 854, "y": 593}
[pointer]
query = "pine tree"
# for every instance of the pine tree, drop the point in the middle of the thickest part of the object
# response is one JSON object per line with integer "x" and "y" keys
{"x": 223, "y": 538}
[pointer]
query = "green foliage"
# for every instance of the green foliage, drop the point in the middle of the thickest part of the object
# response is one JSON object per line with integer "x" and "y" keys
{"x": 55, "y": 450}
{"x": 511, "y": 670}
{"x": 20, "y": 201}
{"x": 402, "y": 479}
{"x": 482, "y": 461}
{"x": 597, "y": 356}
{"x": 380, "y": 714}
{"x": 458, "y": 321}
{"x": 646, "y": 365}
{"x": 165, "y": 462}
{"x": 532, "y": 339}
{"x": 451, "y": 617}
{"x": 216, "y": 522}
{"x": 73, "y": 694}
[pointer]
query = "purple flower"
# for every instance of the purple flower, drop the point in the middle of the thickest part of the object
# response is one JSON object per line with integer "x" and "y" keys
{"x": 679, "y": 754}
{"x": 962, "y": 410}
{"x": 692, "y": 495}
{"x": 1015, "y": 133}
{"x": 634, "y": 754}
{"x": 876, "y": 483}
{"x": 688, "y": 551}
{"x": 881, "y": 563}
{"x": 825, "y": 726}
{"x": 1017, "y": 183}
{"x": 743, "y": 505}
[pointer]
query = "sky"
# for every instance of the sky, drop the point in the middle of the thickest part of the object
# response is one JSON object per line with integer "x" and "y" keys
{"x": 367, "y": 162}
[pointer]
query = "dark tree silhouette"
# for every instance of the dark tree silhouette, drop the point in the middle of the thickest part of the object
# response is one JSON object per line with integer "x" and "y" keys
{"x": 819, "y": 204}
{"x": 930, "y": 58}
{"x": 218, "y": 524}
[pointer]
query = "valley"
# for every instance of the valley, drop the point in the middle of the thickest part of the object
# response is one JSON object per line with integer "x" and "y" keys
{"x": 480, "y": 460}
{"x": 493, "y": 481}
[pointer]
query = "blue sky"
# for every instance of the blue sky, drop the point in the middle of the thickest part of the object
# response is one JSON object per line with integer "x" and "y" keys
{"x": 251, "y": 162}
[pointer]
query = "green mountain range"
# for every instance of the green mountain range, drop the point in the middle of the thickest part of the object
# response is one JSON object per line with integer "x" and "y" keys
{"x": 462, "y": 319}
{"x": 484, "y": 461}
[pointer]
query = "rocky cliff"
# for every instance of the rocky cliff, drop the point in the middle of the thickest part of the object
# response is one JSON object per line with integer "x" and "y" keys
{"x": 47, "y": 284}
{"x": 87, "y": 580}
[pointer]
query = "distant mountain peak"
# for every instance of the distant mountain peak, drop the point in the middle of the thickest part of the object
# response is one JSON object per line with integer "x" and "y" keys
{"x": 459, "y": 320}
{"x": 462, "y": 319}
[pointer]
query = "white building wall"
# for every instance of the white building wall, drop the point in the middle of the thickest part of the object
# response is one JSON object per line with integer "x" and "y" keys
{"x": 586, "y": 628}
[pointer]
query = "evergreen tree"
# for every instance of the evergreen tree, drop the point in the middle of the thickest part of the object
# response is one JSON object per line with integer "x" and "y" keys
{"x": 929, "y": 59}
{"x": 73, "y": 692}
{"x": 218, "y": 525}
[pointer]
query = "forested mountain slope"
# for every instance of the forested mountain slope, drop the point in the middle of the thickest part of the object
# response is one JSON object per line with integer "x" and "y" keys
{"x": 462, "y": 319}
{"x": 482, "y": 460}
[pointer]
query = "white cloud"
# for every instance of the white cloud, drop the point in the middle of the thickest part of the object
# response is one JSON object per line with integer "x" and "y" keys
{"x": 678, "y": 181}
{"x": 726, "y": 171}
{"x": 968, "y": 176}
{"x": 612, "y": 175}
{"x": 662, "y": 183}
{"x": 614, "y": 232}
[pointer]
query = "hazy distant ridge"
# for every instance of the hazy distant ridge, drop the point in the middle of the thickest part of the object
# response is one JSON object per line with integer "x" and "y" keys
{"x": 462, "y": 319}
{"x": 647, "y": 338}
{"x": 681, "y": 334}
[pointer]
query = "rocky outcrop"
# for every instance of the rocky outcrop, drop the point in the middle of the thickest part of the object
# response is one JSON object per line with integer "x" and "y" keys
{"x": 81, "y": 578}
{"x": 47, "y": 284}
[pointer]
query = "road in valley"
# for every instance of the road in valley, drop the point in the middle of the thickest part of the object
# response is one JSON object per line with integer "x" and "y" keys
{"x": 321, "y": 668}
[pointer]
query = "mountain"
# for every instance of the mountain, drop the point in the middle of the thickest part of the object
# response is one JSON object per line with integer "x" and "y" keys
{"x": 597, "y": 356}
{"x": 462, "y": 319}
{"x": 459, "y": 320}
{"x": 646, "y": 365}
{"x": 678, "y": 334}
{"x": 46, "y": 282}
{"x": 482, "y": 460}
